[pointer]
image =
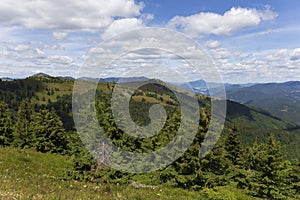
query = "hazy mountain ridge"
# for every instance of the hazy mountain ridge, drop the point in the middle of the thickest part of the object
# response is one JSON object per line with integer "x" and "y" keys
{"x": 282, "y": 99}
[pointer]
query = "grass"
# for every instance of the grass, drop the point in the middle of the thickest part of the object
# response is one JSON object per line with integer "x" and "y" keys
{"x": 59, "y": 89}
{"x": 26, "y": 174}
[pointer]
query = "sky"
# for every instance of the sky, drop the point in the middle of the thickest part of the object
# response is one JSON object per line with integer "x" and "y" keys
{"x": 248, "y": 41}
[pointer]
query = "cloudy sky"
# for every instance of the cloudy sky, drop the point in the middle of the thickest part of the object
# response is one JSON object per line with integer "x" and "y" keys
{"x": 249, "y": 41}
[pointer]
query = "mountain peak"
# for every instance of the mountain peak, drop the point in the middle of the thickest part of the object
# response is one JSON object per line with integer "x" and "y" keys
{"x": 40, "y": 74}
{"x": 6, "y": 79}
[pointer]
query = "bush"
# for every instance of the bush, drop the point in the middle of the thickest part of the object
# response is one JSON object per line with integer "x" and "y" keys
{"x": 217, "y": 193}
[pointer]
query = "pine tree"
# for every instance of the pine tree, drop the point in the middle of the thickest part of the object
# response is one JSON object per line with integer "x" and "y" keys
{"x": 234, "y": 147}
{"x": 295, "y": 177}
{"x": 216, "y": 165}
{"x": 50, "y": 135}
{"x": 6, "y": 122}
{"x": 236, "y": 153}
{"x": 271, "y": 172}
{"x": 22, "y": 132}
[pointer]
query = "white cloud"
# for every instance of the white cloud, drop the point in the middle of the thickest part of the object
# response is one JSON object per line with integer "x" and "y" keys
{"x": 121, "y": 25}
{"x": 74, "y": 15}
{"x": 212, "y": 44}
{"x": 277, "y": 56}
{"x": 20, "y": 60}
{"x": 263, "y": 66}
{"x": 39, "y": 53}
{"x": 231, "y": 21}
{"x": 59, "y": 35}
{"x": 223, "y": 55}
{"x": 295, "y": 55}
{"x": 150, "y": 52}
{"x": 147, "y": 17}
{"x": 18, "y": 47}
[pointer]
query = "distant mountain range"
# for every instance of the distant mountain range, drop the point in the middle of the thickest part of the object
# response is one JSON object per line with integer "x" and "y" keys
{"x": 281, "y": 99}
{"x": 6, "y": 79}
{"x": 116, "y": 79}
{"x": 108, "y": 79}
{"x": 200, "y": 86}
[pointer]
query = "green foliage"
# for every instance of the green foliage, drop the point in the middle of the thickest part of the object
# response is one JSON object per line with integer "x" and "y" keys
{"x": 223, "y": 193}
{"x": 217, "y": 193}
{"x": 49, "y": 133}
{"x": 233, "y": 146}
{"x": 63, "y": 107}
{"x": 45, "y": 123}
{"x": 6, "y": 122}
{"x": 270, "y": 171}
{"x": 295, "y": 176}
{"x": 41, "y": 130}
{"x": 252, "y": 122}
{"x": 22, "y": 130}
{"x": 82, "y": 164}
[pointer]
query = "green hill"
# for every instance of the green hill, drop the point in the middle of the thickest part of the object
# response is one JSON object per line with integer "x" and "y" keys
{"x": 36, "y": 114}
{"x": 282, "y": 99}
{"x": 56, "y": 93}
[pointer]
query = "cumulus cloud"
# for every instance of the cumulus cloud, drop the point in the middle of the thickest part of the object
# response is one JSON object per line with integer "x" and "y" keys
{"x": 59, "y": 35}
{"x": 278, "y": 55}
{"x": 235, "y": 19}
{"x": 121, "y": 25}
{"x": 295, "y": 55}
{"x": 151, "y": 53}
{"x": 18, "y": 47}
{"x": 74, "y": 15}
{"x": 212, "y": 44}
{"x": 241, "y": 67}
{"x": 21, "y": 60}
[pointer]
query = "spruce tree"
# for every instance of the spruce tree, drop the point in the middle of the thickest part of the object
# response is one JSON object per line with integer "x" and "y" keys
{"x": 50, "y": 135}
{"x": 6, "y": 123}
{"x": 295, "y": 177}
{"x": 271, "y": 172}
{"x": 216, "y": 165}
{"x": 234, "y": 147}
{"x": 22, "y": 132}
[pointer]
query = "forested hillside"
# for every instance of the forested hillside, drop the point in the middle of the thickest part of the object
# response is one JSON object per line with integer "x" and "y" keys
{"x": 282, "y": 99}
{"x": 257, "y": 155}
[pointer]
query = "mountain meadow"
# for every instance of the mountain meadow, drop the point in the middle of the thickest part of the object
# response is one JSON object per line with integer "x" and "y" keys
{"x": 43, "y": 157}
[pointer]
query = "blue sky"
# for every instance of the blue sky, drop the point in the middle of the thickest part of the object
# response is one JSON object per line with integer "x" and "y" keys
{"x": 249, "y": 41}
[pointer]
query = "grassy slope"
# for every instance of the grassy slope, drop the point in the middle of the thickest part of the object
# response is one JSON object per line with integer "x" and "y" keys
{"x": 26, "y": 174}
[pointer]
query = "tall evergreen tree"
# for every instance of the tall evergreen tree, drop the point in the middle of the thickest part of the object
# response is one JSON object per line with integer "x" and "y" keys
{"x": 271, "y": 172}
{"x": 234, "y": 147}
{"x": 6, "y": 122}
{"x": 295, "y": 177}
{"x": 216, "y": 165}
{"x": 50, "y": 135}
{"x": 22, "y": 131}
